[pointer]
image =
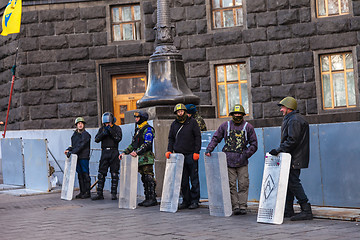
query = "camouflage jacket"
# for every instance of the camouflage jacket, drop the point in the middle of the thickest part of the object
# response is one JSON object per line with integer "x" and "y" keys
{"x": 248, "y": 148}
{"x": 200, "y": 121}
{"x": 142, "y": 144}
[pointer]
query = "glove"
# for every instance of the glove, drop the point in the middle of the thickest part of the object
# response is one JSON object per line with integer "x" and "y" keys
{"x": 68, "y": 154}
{"x": 207, "y": 153}
{"x": 167, "y": 154}
{"x": 274, "y": 152}
{"x": 107, "y": 127}
{"x": 196, "y": 156}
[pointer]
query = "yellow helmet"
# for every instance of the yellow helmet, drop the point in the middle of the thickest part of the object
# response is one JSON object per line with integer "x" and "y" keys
{"x": 288, "y": 102}
{"x": 238, "y": 108}
{"x": 179, "y": 106}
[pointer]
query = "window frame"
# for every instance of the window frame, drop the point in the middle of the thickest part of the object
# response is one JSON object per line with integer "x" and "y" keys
{"x": 109, "y": 22}
{"x": 319, "y": 83}
{"x": 314, "y": 14}
{"x": 210, "y": 18}
{"x": 214, "y": 85}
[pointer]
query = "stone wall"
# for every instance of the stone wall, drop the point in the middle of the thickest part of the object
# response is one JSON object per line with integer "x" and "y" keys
{"x": 60, "y": 46}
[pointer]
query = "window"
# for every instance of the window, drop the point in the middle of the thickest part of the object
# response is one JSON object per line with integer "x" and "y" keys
{"x": 329, "y": 8}
{"x": 227, "y": 13}
{"x": 337, "y": 80}
{"x": 232, "y": 87}
{"x": 125, "y": 23}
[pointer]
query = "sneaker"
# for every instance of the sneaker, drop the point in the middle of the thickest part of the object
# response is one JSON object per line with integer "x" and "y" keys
{"x": 79, "y": 195}
{"x": 236, "y": 211}
{"x": 183, "y": 206}
{"x": 242, "y": 211}
{"x": 194, "y": 205}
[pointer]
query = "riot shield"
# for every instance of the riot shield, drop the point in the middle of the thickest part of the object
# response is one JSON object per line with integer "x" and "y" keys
{"x": 274, "y": 188}
{"x": 172, "y": 183}
{"x": 218, "y": 185}
{"x": 67, "y": 188}
{"x": 128, "y": 182}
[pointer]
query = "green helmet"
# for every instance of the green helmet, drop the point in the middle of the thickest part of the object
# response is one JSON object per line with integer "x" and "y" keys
{"x": 238, "y": 108}
{"x": 288, "y": 102}
{"x": 179, "y": 106}
{"x": 79, "y": 119}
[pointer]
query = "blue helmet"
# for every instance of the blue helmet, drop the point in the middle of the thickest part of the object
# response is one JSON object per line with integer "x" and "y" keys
{"x": 108, "y": 117}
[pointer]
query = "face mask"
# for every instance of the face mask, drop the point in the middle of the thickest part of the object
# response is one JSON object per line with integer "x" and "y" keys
{"x": 182, "y": 118}
{"x": 237, "y": 119}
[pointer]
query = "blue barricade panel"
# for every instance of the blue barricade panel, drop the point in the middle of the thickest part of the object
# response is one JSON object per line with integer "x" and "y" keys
{"x": 256, "y": 167}
{"x": 339, "y": 149}
{"x": 311, "y": 177}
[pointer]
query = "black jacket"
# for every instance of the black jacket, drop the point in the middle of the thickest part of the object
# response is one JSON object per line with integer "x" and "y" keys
{"x": 80, "y": 144}
{"x": 186, "y": 140}
{"x": 109, "y": 138}
{"x": 295, "y": 139}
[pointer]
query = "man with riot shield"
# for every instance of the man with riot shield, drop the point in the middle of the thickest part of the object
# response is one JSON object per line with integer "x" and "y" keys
{"x": 141, "y": 146}
{"x": 109, "y": 135}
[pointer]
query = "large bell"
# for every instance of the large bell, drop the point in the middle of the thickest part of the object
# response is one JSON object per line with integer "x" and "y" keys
{"x": 167, "y": 83}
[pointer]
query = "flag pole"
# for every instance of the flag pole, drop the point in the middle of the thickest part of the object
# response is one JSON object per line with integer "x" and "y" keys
{"x": 13, "y": 69}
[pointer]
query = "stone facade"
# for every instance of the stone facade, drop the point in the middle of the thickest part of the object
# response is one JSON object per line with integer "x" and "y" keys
{"x": 63, "y": 46}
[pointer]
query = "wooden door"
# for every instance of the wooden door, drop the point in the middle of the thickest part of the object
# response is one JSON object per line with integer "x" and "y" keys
{"x": 127, "y": 89}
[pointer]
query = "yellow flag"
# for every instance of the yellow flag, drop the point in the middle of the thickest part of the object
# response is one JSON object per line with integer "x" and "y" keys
{"x": 12, "y": 17}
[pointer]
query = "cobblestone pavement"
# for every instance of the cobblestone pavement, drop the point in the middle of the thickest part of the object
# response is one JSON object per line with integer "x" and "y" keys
{"x": 48, "y": 217}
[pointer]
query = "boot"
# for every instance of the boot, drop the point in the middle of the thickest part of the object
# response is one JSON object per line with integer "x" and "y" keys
{"x": 151, "y": 192}
{"x": 87, "y": 185}
{"x": 305, "y": 214}
{"x": 100, "y": 187}
{"x": 81, "y": 186}
{"x": 114, "y": 185}
{"x": 145, "y": 184}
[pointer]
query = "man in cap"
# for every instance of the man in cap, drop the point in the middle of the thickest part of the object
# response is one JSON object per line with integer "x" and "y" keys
{"x": 141, "y": 146}
{"x": 240, "y": 145}
{"x": 80, "y": 145}
{"x": 294, "y": 140}
{"x": 185, "y": 138}
{"x": 109, "y": 135}
{"x": 192, "y": 112}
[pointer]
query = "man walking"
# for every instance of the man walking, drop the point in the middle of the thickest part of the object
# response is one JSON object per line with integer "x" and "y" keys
{"x": 109, "y": 135}
{"x": 240, "y": 145}
{"x": 295, "y": 140}
{"x": 141, "y": 146}
{"x": 185, "y": 138}
{"x": 80, "y": 145}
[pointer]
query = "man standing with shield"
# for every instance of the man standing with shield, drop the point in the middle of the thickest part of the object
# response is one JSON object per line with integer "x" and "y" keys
{"x": 294, "y": 140}
{"x": 141, "y": 146}
{"x": 109, "y": 135}
{"x": 240, "y": 145}
{"x": 185, "y": 138}
{"x": 80, "y": 145}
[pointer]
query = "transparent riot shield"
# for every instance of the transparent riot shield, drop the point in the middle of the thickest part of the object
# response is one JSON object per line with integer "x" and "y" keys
{"x": 36, "y": 164}
{"x": 67, "y": 188}
{"x": 172, "y": 183}
{"x": 274, "y": 188}
{"x": 12, "y": 161}
{"x": 128, "y": 182}
{"x": 217, "y": 180}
